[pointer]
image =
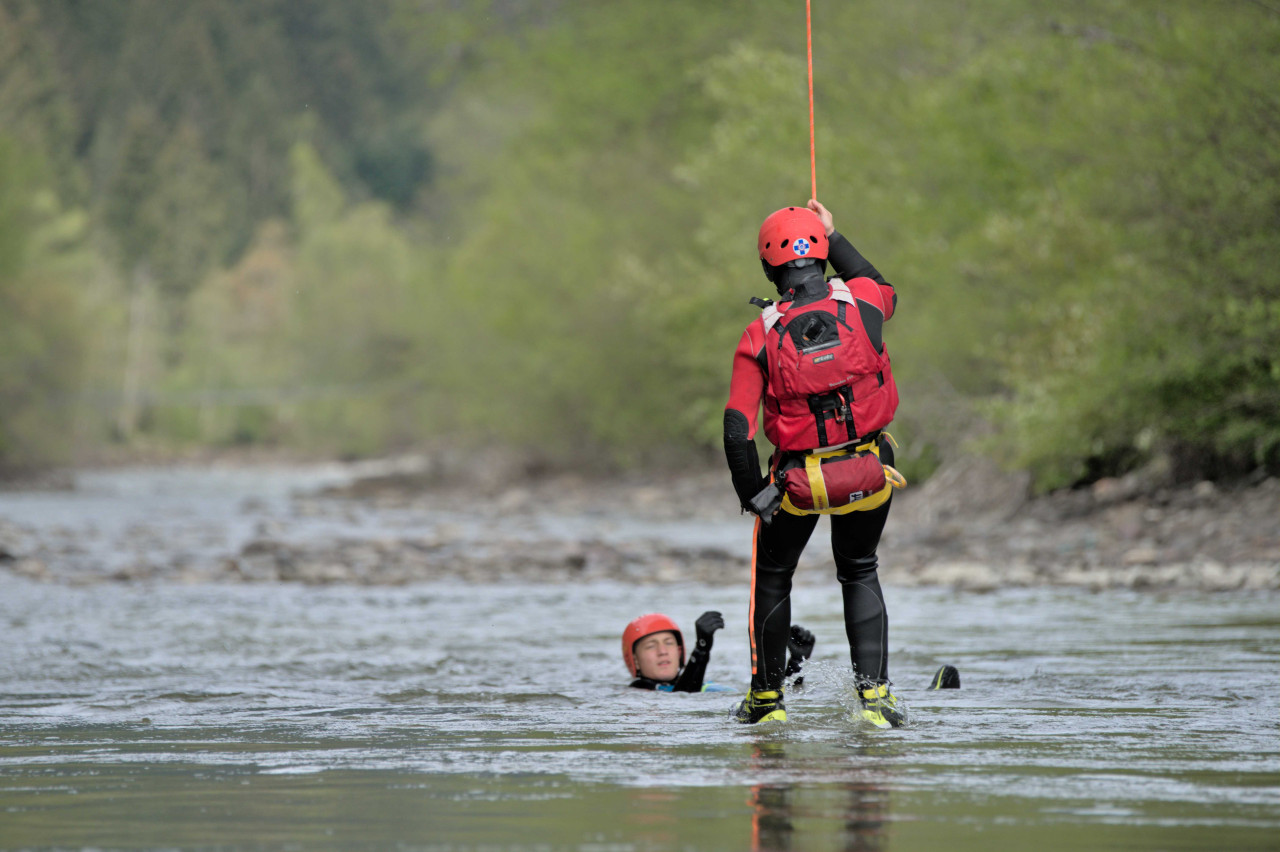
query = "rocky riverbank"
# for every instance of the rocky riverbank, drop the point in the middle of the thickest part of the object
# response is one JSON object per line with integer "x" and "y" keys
{"x": 412, "y": 520}
{"x": 974, "y": 527}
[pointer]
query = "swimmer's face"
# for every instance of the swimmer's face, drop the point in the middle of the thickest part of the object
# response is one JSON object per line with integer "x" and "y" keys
{"x": 658, "y": 656}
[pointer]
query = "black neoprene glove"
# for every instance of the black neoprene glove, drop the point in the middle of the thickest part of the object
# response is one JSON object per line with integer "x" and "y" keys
{"x": 706, "y": 626}
{"x": 801, "y": 643}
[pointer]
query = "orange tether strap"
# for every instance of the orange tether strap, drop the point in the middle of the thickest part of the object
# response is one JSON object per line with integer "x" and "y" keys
{"x": 813, "y": 158}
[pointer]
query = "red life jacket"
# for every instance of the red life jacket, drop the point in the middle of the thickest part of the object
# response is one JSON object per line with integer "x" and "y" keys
{"x": 829, "y": 377}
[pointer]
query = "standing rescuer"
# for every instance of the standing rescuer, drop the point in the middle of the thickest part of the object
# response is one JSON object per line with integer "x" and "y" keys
{"x": 817, "y": 363}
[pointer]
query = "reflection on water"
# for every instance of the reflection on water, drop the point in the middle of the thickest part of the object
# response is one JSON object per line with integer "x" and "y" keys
{"x": 465, "y": 717}
{"x": 855, "y": 813}
{"x": 170, "y": 807}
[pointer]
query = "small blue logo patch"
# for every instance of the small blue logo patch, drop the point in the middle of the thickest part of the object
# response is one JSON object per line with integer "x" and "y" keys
{"x": 800, "y": 246}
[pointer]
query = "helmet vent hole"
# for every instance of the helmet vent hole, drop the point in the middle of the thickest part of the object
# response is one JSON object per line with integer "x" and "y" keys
{"x": 813, "y": 239}
{"x": 768, "y": 245}
{"x": 783, "y": 244}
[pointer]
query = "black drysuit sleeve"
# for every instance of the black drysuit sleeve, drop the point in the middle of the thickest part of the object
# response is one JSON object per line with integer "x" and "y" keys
{"x": 695, "y": 670}
{"x": 848, "y": 263}
{"x": 744, "y": 461}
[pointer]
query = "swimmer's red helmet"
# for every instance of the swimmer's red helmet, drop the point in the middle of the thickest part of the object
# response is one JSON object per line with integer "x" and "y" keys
{"x": 790, "y": 234}
{"x": 643, "y": 626}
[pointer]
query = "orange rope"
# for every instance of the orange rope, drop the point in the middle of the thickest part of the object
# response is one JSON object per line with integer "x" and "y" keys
{"x": 813, "y": 158}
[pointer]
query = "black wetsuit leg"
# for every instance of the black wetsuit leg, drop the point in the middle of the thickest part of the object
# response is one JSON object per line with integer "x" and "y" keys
{"x": 854, "y": 539}
{"x": 777, "y": 550}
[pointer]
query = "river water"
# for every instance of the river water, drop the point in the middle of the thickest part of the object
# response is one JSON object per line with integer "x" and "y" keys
{"x": 454, "y": 716}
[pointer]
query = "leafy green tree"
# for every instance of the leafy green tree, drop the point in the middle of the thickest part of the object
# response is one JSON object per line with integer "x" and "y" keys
{"x": 438, "y": 220}
{"x": 1149, "y": 320}
{"x": 42, "y": 325}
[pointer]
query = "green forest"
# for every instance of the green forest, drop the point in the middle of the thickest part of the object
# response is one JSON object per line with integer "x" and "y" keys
{"x": 352, "y": 229}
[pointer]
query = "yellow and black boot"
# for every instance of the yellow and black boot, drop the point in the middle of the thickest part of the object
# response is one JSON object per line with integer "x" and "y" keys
{"x": 880, "y": 706}
{"x": 760, "y": 706}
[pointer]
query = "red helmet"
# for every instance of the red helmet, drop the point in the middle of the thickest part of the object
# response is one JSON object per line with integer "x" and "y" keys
{"x": 790, "y": 234}
{"x": 644, "y": 626}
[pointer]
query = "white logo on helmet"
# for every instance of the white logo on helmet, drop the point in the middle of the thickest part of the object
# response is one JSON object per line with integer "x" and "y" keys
{"x": 800, "y": 247}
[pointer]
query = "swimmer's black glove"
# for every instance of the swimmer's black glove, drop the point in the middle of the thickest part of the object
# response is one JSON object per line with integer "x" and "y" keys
{"x": 706, "y": 626}
{"x": 800, "y": 644}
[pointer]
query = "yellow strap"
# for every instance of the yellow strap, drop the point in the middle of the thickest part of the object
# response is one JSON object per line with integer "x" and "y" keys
{"x": 880, "y": 690}
{"x": 817, "y": 485}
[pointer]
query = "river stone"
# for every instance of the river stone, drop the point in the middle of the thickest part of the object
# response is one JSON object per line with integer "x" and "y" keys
{"x": 32, "y": 569}
{"x": 1142, "y": 555}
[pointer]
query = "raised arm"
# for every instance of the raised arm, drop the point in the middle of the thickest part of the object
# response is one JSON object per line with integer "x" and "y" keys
{"x": 848, "y": 263}
{"x": 695, "y": 670}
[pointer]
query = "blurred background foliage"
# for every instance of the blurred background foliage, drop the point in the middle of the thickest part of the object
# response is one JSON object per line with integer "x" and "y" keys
{"x": 359, "y": 228}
